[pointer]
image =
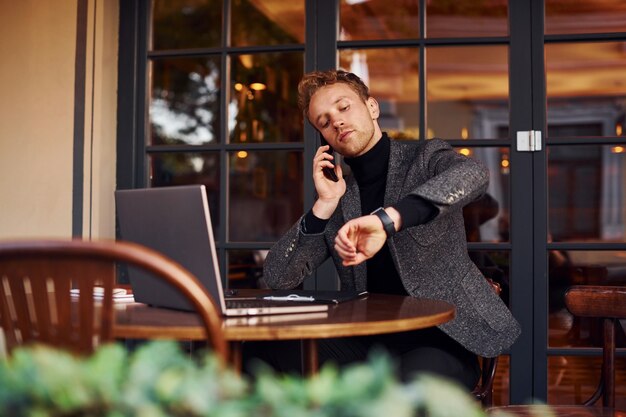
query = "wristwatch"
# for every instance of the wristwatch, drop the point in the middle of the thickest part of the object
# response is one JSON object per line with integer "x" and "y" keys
{"x": 388, "y": 225}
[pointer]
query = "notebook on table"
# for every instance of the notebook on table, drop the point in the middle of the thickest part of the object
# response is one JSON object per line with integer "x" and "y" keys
{"x": 176, "y": 222}
{"x": 320, "y": 296}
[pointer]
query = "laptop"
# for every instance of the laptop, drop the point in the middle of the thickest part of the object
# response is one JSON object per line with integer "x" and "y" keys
{"x": 176, "y": 222}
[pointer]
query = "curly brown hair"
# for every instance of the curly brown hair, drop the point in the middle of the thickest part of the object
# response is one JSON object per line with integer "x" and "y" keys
{"x": 313, "y": 81}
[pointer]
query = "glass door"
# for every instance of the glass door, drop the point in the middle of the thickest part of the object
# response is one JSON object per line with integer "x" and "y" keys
{"x": 568, "y": 206}
{"x": 445, "y": 70}
{"x": 585, "y": 183}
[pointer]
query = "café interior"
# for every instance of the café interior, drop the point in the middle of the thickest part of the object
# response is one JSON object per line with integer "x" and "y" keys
{"x": 109, "y": 95}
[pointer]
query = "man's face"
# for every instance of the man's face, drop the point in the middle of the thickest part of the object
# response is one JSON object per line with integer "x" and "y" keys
{"x": 347, "y": 123}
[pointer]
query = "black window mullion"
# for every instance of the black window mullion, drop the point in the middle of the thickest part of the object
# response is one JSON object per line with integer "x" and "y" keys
{"x": 320, "y": 54}
{"x": 586, "y": 37}
{"x": 422, "y": 71}
{"x": 199, "y": 52}
{"x": 540, "y": 206}
{"x": 128, "y": 95}
{"x": 522, "y": 373}
{"x": 222, "y": 254}
{"x": 423, "y": 97}
{"x": 583, "y": 140}
{"x": 143, "y": 96}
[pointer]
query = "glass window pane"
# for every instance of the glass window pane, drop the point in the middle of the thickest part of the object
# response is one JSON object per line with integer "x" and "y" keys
{"x": 395, "y": 87}
{"x": 182, "y": 24}
{"x": 567, "y": 268}
{"x": 586, "y": 88}
{"x": 487, "y": 219}
{"x": 245, "y": 268}
{"x": 494, "y": 265}
{"x": 468, "y": 92}
{"x": 587, "y": 193}
{"x": 167, "y": 169}
{"x": 185, "y": 101}
{"x": 265, "y": 194}
{"x": 589, "y": 16}
{"x": 263, "y": 22}
{"x": 378, "y": 19}
{"x": 466, "y": 18}
{"x": 264, "y": 98}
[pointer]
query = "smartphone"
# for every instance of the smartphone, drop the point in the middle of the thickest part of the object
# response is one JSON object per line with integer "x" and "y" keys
{"x": 329, "y": 173}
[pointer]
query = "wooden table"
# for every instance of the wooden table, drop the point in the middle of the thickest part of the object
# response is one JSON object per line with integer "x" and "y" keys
{"x": 369, "y": 315}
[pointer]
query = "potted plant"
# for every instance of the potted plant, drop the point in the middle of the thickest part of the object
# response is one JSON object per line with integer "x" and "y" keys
{"x": 159, "y": 379}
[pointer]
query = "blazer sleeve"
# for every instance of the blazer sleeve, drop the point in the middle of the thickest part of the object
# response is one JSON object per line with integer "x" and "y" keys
{"x": 294, "y": 257}
{"x": 452, "y": 180}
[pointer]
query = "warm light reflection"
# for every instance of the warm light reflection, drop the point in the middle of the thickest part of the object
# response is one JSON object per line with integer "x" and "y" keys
{"x": 246, "y": 60}
{"x": 242, "y": 154}
{"x": 465, "y": 151}
{"x": 618, "y": 130}
{"x": 464, "y": 133}
{"x": 617, "y": 149}
{"x": 505, "y": 165}
{"x": 258, "y": 86}
{"x": 238, "y": 86}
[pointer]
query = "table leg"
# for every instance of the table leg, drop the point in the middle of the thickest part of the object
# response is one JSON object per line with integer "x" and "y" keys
{"x": 236, "y": 356}
{"x": 310, "y": 358}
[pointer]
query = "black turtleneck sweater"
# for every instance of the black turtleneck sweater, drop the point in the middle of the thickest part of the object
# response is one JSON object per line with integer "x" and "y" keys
{"x": 370, "y": 172}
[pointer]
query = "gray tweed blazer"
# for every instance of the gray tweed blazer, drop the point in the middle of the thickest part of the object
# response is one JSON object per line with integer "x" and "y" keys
{"x": 431, "y": 258}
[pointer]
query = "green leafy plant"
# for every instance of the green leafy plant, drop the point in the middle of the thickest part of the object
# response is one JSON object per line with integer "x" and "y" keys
{"x": 158, "y": 379}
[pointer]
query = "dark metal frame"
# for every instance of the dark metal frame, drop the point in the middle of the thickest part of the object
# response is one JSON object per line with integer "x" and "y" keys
{"x": 80, "y": 68}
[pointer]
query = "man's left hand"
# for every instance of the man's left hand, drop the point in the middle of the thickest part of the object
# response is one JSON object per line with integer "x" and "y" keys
{"x": 360, "y": 239}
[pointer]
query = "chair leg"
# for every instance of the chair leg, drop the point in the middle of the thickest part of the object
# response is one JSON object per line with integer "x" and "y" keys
{"x": 488, "y": 400}
{"x": 484, "y": 391}
{"x": 490, "y": 376}
{"x": 606, "y": 386}
{"x": 608, "y": 362}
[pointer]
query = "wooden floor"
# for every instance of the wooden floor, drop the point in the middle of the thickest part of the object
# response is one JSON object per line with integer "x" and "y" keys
{"x": 571, "y": 379}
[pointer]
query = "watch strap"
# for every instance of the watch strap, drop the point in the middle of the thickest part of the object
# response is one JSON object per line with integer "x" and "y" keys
{"x": 388, "y": 225}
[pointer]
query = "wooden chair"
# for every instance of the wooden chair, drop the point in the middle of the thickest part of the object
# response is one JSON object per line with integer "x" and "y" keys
{"x": 483, "y": 391}
{"x": 607, "y": 303}
{"x": 36, "y": 305}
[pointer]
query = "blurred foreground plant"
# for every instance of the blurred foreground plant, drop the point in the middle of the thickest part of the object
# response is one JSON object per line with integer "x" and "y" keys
{"x": 158, "y": 379}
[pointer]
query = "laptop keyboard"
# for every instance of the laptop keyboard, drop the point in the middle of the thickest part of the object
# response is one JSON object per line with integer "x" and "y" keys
{"x": 260, "y": 303}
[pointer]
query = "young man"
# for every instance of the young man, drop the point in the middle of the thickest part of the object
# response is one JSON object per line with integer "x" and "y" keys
{"x": 394, "y": 226}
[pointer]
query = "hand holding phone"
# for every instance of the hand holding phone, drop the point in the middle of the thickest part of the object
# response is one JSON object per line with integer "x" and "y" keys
{"x": 328, "y": 172}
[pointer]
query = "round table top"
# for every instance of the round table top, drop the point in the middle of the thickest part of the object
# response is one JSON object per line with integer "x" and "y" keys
{"x": 368, "y": 315}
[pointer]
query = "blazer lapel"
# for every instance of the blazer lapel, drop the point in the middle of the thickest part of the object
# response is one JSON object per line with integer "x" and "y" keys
{"x": 395, "y": 174}
{"x": 351, "y": 201}
{"x": 351, "y": 208}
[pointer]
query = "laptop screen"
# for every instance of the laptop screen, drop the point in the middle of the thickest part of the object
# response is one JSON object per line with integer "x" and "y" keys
{"x": 176, "y": 222}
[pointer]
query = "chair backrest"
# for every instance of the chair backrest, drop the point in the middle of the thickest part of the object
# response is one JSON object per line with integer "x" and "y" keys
{"x": 36, "y": 304}
{"x": 607, "y": 303}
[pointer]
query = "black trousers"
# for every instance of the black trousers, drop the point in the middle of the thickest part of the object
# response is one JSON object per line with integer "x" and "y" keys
{"x": 428, "y": 350}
